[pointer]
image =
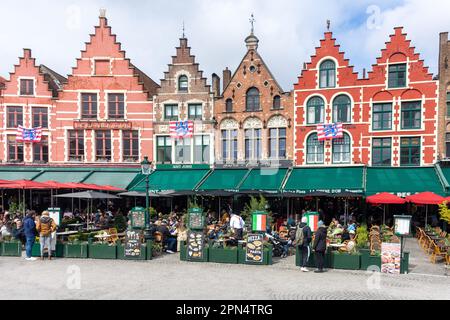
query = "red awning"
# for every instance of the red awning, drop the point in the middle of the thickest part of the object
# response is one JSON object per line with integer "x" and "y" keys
{"x": 385, "y": 198}
{"x": 28, "y": 184}
{"x": 111, "y": 188}
{"x": 58, "y": 185}
{"x": 425, "y": 198}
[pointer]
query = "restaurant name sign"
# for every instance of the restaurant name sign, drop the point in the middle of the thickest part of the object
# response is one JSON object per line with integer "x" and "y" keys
{"x": 326, "y": 191}
{"x": 102, "y": 125}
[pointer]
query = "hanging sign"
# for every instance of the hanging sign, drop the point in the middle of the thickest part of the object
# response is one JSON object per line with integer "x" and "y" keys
{"x": 254, "y": 249}
{"x": 55, "y": 214}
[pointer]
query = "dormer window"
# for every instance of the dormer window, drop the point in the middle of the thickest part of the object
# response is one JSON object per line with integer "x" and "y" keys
{"x": 327, "y": 76}
{"x": 26, "y": 87}
{"x": 183, "y": 83}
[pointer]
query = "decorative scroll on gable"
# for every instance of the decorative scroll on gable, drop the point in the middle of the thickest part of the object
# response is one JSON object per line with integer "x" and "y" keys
{"x": 277, "y": 122}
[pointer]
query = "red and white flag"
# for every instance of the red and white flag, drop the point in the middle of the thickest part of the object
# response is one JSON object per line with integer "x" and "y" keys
{"x": 329, "y": 131}
{"x": 181, "y": 129}
{"x": 28, "y": 135}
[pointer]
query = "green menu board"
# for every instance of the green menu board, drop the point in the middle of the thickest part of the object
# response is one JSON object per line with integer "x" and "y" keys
{"x": 137, "y": 218}
{"x": 196, "y": 219}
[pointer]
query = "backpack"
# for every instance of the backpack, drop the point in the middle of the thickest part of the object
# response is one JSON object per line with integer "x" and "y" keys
{"x": 299, "y": 236}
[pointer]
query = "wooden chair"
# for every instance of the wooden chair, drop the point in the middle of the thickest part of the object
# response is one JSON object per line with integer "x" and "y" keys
{"x": 437, "y": 253}
{"x": 113, "y": 235}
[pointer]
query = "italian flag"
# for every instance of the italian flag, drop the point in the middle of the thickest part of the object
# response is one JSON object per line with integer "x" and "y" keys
{"x": 259, "y": 222}
{"x": 313, "y": 221}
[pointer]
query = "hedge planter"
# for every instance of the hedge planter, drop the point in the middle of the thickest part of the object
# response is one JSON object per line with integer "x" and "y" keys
{"x": 11, "y": 248}
{"x": 102, "y": 251}
{"x": 346, "y": 261}
{"x": 183, "y": 250}
{"x": 76, "y": 250}
{"x": 121, "y": 253}
{"x": 59, "y": 250}
{"x": 312, "y": 259}
{"x": 267, "y": 256}
{"x": 223, "y": 255}
{"x": 368, "y": 260}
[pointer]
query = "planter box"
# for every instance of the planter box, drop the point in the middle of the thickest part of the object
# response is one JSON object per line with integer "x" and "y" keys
{"x": 267, "y": 256}
{"x": 346, "y": 261}
{"x": 223, "y": 255}
{"x": 121, "y": 253}
{"x": 102, "y": 251}
{"x": 11, "y": 249}
{"x": 76, "y": 250}
{"x": 59, "y": 250}
{"x": 183, "y": 253}
{"x": 312, "y": 259}
{"x": 368, "y": 260}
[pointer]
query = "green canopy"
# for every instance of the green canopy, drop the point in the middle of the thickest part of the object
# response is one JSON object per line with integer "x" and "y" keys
{"x": 17, "y": 174}
{"x": 62, "y": 176}
{"x": 175, "y": 179}
{"x": 403, "y": 181}
{"x": 224, "y": 179}
{"x": 264, "y": 180}
{"x": 323, "y": 181}
{"x": 115, "y": 179}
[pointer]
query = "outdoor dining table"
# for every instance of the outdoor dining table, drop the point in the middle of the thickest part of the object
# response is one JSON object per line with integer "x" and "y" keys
{"x": 66, "y": 234}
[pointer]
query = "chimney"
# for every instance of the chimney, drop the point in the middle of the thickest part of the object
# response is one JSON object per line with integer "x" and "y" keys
{"x": 304, "y": 65}
{"x": 216, "y": 85}
{"x": 364, "y": 73}
{"x": 226, "y": 78}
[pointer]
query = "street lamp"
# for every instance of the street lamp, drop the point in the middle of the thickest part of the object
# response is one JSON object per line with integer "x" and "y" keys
{"x": 146, "y": 168}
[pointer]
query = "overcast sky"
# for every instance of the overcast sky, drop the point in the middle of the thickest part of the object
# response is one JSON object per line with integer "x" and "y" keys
{"x": 288, "y": 30}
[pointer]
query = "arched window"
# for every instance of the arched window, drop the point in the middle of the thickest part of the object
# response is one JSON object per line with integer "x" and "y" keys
{"x": 341, "y": 149}
{"x": 341, "y": 109}
{"x": 183, "y": 83}
{"x": 276, "y": 103}
{"x": 314, "y": 149}
{"x": 252, "y": 101}
{"x": 315, "y": 109}
{"x": 229, "y": 105}
{"x": 327, "y": 76}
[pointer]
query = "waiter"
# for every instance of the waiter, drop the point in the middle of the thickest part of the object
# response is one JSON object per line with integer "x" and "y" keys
{"x": 237, "y": 224}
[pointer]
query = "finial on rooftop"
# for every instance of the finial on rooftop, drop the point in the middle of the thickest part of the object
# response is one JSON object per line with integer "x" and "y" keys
{"x": 102, "y": 13}
{"x": 183, "y": 29}
{"x": 328, "y": 24}
{"x": 252, "y": 21}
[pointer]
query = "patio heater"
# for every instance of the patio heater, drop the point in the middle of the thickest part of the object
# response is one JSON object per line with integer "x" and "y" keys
{"x": 146, "y": 168}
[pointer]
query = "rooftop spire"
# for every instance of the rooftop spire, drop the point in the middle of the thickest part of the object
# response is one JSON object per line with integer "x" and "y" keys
{"x": 102, "y": 13}
{"x": 183, "y": 29}
{"x": 252, "y": 21}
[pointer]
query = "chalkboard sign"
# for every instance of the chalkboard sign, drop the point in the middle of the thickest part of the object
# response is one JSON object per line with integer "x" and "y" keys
{"x": 137, "y": 218}
{"x": 196, "y": 219}
{"x": 254, "y": 250}
{"x": 133, "y": 243}
{"x": 195, "y": 244}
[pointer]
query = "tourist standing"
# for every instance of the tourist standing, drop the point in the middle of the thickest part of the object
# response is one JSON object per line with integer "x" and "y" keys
{"x": 46, "y": 226}
{"x": 303, "y": 237}
{"x": 320, "y": 246}
{"x": 29, "y": 228}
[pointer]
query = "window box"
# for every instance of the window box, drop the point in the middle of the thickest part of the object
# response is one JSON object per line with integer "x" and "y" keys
{"x": 223, "y": 255}
{"x": 76, "y": 250}
{"x": 345, "y": 261}
{"x": 102, "y": 251}
{"x": 11, "y": 248}
{"x": 59, "y": 250}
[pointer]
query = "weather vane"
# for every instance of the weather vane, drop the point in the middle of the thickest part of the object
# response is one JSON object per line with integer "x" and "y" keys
{"x": 252, "y": 21}
{"x": 328, "y": 24}
{"x": 183, "y": 28}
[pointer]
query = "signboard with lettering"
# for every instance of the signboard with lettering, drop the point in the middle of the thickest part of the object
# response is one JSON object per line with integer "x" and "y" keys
{"x": 196, "y": 219}
{"x": 402, "y": 225}
{"x": 102, "y": 125}
{"x": 137, "y": 218}
{"x": 254, "y": 249}
{"x": 132, "y": 244}
{"x": 195, "y": 245}
{"x": 55, "y": 214}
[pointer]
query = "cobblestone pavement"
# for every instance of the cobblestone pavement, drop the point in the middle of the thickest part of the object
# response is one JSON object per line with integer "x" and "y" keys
{"x": 169, "y": 278}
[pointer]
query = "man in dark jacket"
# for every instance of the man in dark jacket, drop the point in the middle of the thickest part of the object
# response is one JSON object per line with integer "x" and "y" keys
{"x": 320, "y": 245}
{"x": 304, "y": 242}
{"x": 29, "y": 229}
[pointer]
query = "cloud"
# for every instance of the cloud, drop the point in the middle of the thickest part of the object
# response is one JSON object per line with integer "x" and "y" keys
{"x": 288, "y": 31}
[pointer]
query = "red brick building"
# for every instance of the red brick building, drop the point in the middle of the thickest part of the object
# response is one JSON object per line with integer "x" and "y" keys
{"x": 389, "y": 117}
{"x": 27, "y": 99}
{"x": 104, "y": 113}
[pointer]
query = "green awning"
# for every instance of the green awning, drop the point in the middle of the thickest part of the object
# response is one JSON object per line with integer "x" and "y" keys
{"x": 177, "y": 180}
{"x": 264, "y": 180}
{"x": 224, "y": 179}
{"x": 62, "y": 176}
{"x": 445, "y": 174}
{"x": 331, "y": 181}
{"x": 17, "y": 174}
{"x": 403, "y": 181}
{"x": 115, "y": 179}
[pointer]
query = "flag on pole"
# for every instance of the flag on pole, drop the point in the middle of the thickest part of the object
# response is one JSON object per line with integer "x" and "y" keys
{"x": 28, "y": 135}
{"x": 313, "y": 221}
{"x": 259, "y": 222}
{"x": 329, "y": 131}
{"x": 181, "y": 129}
